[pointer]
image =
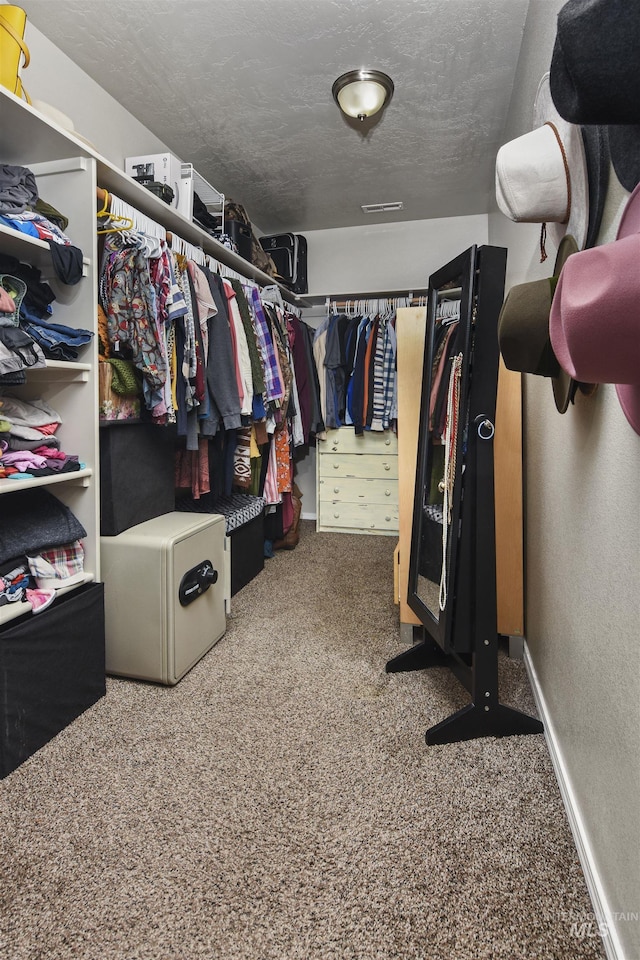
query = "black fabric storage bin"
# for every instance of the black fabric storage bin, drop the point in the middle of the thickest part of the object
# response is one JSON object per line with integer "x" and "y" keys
{"x": 247, "y": 553}
{"x": 137, "y": 466}
{"x": 245, "y": 531}
{"x": 52, "y": 668}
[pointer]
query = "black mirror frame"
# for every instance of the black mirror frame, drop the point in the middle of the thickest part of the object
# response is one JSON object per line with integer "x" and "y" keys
{"x": 461, "y": 268}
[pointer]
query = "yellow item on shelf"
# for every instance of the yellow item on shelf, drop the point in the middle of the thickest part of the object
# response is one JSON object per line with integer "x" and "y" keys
{"x": 14, "y": 53}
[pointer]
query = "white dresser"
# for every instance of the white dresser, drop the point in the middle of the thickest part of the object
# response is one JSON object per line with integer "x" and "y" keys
{"x": 357, "y": 482}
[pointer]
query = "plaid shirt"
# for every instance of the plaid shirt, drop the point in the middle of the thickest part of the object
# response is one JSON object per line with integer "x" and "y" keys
{"x": 273, "y": 387}
{"x": 390, "y": 380}
{"x": 58, "y": 567}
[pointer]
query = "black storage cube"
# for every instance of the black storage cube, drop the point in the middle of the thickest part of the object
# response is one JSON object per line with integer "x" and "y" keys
{"x": 52, "y": 668}
{"x": 137, "y": 466}
{"x": 246, "y": 531}
{"x": 247, "y": 553}
{"x": 273, "y": 524}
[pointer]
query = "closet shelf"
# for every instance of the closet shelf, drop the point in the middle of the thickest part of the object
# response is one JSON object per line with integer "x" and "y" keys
{"x": 31, "y": 250}
{"x": 62, "y": 371}
{"x": 35, "y": 138}
{"x": 22, "y": 246}
{"x": 11, "y": 611}
{"x": 77, "y": 477}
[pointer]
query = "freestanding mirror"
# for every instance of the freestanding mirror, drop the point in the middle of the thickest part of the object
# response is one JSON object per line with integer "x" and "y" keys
{"x": 452, "y": 580}
{"x": 441, "y": 444}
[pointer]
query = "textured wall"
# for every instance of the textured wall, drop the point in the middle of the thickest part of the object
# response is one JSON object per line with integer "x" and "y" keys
{"x": 582, "y": 559}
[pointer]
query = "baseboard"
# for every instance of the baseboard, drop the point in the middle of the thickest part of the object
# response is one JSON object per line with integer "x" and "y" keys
{"x": 306, "y": 515}
{"x": 603, "y": 920}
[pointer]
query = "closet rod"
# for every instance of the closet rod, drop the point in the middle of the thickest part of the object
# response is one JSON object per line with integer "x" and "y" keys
{"x": 104, "y": 195}
{"x": 319, "y": 299}
{"x": 230, "y": 259}
{"x": 342, "y": 304}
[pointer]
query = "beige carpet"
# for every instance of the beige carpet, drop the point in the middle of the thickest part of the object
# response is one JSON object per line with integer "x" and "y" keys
{"x": 280, "y": 802}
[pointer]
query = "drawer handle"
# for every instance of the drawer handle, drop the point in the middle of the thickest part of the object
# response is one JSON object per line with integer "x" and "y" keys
{"x": 387, "y": 442}
{"x": 387, "y": 467}
{"x": 387, "y": 519}
{"x": 336, "y": 466}
{"x": 387, "y": 493}
{"x": 336, "y": 516}
{"x": 372, "y": 526}
{"x": 336, "y": 489}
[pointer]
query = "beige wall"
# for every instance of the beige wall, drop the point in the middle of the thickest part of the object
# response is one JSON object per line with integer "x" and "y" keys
{"x": 388, "y": 256}
{"x": 583, "y": 561}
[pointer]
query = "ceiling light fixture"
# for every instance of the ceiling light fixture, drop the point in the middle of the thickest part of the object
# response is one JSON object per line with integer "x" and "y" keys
{"x": 361, "y": 93}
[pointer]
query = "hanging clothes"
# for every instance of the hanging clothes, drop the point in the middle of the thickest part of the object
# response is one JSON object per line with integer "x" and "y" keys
{"x": 232, "y": 370}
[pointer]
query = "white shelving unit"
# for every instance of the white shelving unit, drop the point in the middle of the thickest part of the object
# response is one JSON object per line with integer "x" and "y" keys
{"x": 71, "y": 388}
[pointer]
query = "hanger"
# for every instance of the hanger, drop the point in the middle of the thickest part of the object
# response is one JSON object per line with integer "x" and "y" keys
{"x": 272, "y": 294}
{"x": 123, "y": 223}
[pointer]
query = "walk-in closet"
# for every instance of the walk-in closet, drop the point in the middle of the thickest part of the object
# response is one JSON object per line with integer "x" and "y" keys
{"x": 319, "y": 457}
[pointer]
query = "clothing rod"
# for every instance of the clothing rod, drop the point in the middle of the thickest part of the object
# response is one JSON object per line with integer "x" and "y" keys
{"x": 371, "y": 294}
{"x": 416, "y": 301}
{"x": 212, "y": 248}
{"x": 104, "y": 197}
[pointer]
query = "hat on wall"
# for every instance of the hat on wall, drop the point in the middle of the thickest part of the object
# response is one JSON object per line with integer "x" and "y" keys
{"x": 596, "y": 149}
{"x": 624, "y": 144}
{"x": 595, "y": 314}
{"x": 523, "y": 329}
{"x": 594, "y": 75}
{"x": 594, "y": 66}
{"x": 541, "y": 177}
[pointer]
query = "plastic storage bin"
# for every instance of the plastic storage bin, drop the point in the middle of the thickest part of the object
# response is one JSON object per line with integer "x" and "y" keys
{"x": 164, "y": 595}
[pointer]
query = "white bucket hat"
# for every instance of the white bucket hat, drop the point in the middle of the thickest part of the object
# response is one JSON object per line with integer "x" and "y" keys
{"x": 541, "y": 177}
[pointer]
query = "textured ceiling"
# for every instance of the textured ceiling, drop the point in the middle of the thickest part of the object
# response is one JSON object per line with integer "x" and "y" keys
{"x": 242, "y": 89}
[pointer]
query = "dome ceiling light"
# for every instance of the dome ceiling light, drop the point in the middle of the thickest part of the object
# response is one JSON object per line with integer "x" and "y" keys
{"x": 361, "y": 93}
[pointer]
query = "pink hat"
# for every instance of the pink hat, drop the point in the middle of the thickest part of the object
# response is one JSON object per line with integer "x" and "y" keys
{"x": 594, "y": 324}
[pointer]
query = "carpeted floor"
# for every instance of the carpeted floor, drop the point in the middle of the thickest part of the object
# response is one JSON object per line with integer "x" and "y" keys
{"x": 280, "y": 802}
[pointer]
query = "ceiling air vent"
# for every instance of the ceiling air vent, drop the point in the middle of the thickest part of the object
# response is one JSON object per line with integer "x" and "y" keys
{"x": 381, "y": 207}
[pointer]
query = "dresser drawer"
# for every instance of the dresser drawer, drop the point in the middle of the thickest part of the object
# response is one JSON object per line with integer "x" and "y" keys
{"x": 361, "y": 466}
{"x": 350, "y": 490}
{"x": 345, "y": 440}
{"x": 367, "y": 517}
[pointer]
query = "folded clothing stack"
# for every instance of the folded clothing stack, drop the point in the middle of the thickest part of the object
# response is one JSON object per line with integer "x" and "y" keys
{"x": 40, "y": 548}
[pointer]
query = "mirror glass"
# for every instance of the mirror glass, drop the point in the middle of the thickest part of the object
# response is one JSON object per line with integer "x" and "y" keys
{"x": 440, "y": 446}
